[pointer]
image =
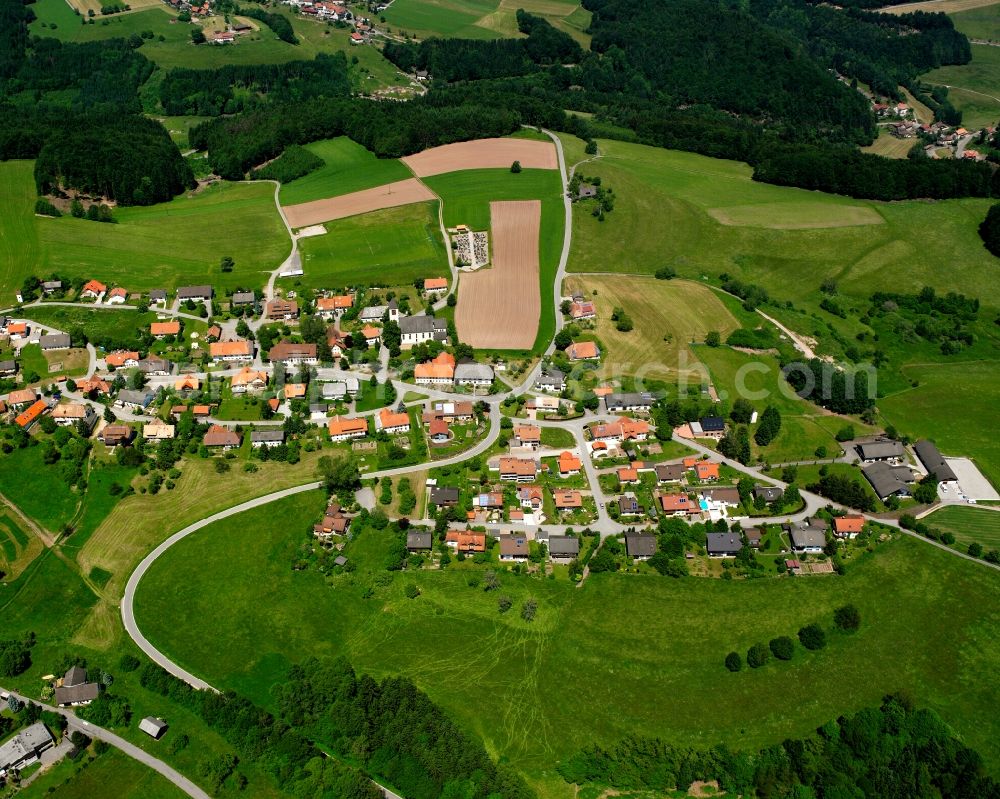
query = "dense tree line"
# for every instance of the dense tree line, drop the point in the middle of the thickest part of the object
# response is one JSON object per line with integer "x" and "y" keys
{"x": 293, "y": 163}
{"x": 388, "y": 129}
{"x": 927, "y": 316}
{"x": 474, "y": 59}
{"x": 395, "y": 731}
{"x": 890, "y": 752}
{"x": 989, "y": 230}
{"x": 841, "y": 488}
{"x": 295, "y": 764}
{"x": 839, "y": 389}
{"x": 842, "y": 170}
{"x": 279, "y": 24}
{"x": 128, "y": 159}
{"x": 230, "y": 89}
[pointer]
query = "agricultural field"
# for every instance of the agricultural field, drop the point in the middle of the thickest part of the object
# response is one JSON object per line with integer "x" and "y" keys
{"x": 483, "y": 19}
{"x": 389, "y": 195}
{"x": 978, "y": 23}
{"x": 973, "y": 88}
{"x": 348, "y": 167}
{"x": 535, "y": 152}
{"x": 20, "y": 250}
{"x": 917, "y": 244}
{"x": 518, "y": 703}
{"x": 172, "y": 244}
{"x": 109, "y": 774}
{"x": 968, "y": 525}
{"x": 395, "y": 246}
{"x": 668, "y": 314}
{"x": 467, "y": 196}
{"x": 496, "y": 308}
{"x": 890, "y": 146}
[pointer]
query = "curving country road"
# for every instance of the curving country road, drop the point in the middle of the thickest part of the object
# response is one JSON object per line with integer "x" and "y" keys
{"x": 93, "y": 731}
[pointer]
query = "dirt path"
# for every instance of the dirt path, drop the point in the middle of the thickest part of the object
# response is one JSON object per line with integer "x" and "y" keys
{"x": 46, "y": 537}
{"x": 800, "y": 343}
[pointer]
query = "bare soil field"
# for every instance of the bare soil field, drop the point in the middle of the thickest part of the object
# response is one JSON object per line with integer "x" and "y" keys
{"x": 498, "y": 308}
{"x": 402, "y": 192}
{"x": 483, "y": 154}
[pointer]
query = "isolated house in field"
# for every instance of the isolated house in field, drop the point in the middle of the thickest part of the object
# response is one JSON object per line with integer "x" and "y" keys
{"x": 582, "y": 309}
{"x": 25, "y": 748}
{"x": 153, "y": 727}
{"x": 54, "y": 341}
{"x": 418, "y": 329}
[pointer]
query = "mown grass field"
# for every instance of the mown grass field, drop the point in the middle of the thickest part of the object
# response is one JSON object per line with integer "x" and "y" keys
{"x": 173, "y": 244}
{"x": 668, "y": 315}
{"x": 391, "y": 247}
{"x": 18, "y": 545}
{"x": 890, "y": 146}
{"x": 584, "y": 671}
{"x": 44, "y": 497}
{"x": 95, "y": 322}
{"x": 955, "y": 405}
{"x": 978, "y": 23}
{"x": 110, "y": 774}
{"x": 348, "y": 167}
{"x": 976, "y": 85}
{"x": 467, "y": 196}
{"x": 968, "y": 525}
{"x": 909, "y": 250}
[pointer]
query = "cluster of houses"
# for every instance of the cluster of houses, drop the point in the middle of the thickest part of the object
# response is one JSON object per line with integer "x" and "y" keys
{"x": 513, "y": 546}
{"x": 884, "y": 465}
{"x": 444, "y": 371}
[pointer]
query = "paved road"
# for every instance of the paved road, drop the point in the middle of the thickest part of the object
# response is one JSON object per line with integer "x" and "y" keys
{"x": 133, "y": 751}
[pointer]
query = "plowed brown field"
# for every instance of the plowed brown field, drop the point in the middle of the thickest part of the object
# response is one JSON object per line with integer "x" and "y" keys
{"x": 498, "y": 308}
{"x": 483, "y": 154}
{"x": 402, "y": 192}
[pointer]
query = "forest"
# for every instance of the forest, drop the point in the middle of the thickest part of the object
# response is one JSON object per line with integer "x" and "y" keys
{"x": 894, "y": 751}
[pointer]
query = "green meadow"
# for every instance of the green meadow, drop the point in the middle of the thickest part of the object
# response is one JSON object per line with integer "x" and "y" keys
{"x": 623, "y": 654}
{"x": 348, "y": 167}
{"x": 44, "y": 497}
{"x": 158, "y": 246}
{"x": 109, "y": 774}
{"x": 968, "y": 525}
{"x": 467, "y": 195}
{"x": 978, "y": 23}
{"x": 483, "y": 19}
{"x": 974, "y": 88}
{"x": 391, "y": 247}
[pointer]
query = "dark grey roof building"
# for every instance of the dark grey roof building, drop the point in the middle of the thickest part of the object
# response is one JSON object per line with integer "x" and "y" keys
{"x": 713, "y": 424}
{"x": 880, "y": 450}
{"x": 723, "y": 545}
{"x": 934, "y": 462}
{"x": 153, "y": 727}
{"x": 55, "y": 341}
{"x": 194, "y": 293}
{"x": 267, "y": 438}
{"x": 769, "y": 493}
{"x": 888, "y": 481}
{"x": 241, "y": 298}
{"x": 563, "y": 547}
{"x": 641, "y": 547}
{"x": 628, "y": 402}
{"x": 444, "y": 496}
{"x": 419, "y": 542}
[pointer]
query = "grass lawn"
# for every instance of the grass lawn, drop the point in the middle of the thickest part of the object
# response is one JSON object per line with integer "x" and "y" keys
{"x": 668, "y": 314}
{"x": 974, "y": 88}
{"x": 968, "y": 525}
{"x": 394, "y": 246}
{"x": 467, "y": 196}
{"x": 483, "y": 19}
{"x": 171, "y": 244}
{"x": 44, "y": 497}
{"x": 978, "y": 23}
{"x": 110, "y": 774}
{"x": 20, "y": 251}
{"x": 49, "y": 365}
{"x": 518, "y": 702}
{"x": 557, "y": 437}
{"x": 119, "y": 324}
{"x": 939, "y": 408}
{"x": 348, "y": 167}
{"x": 890, "y": 146}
